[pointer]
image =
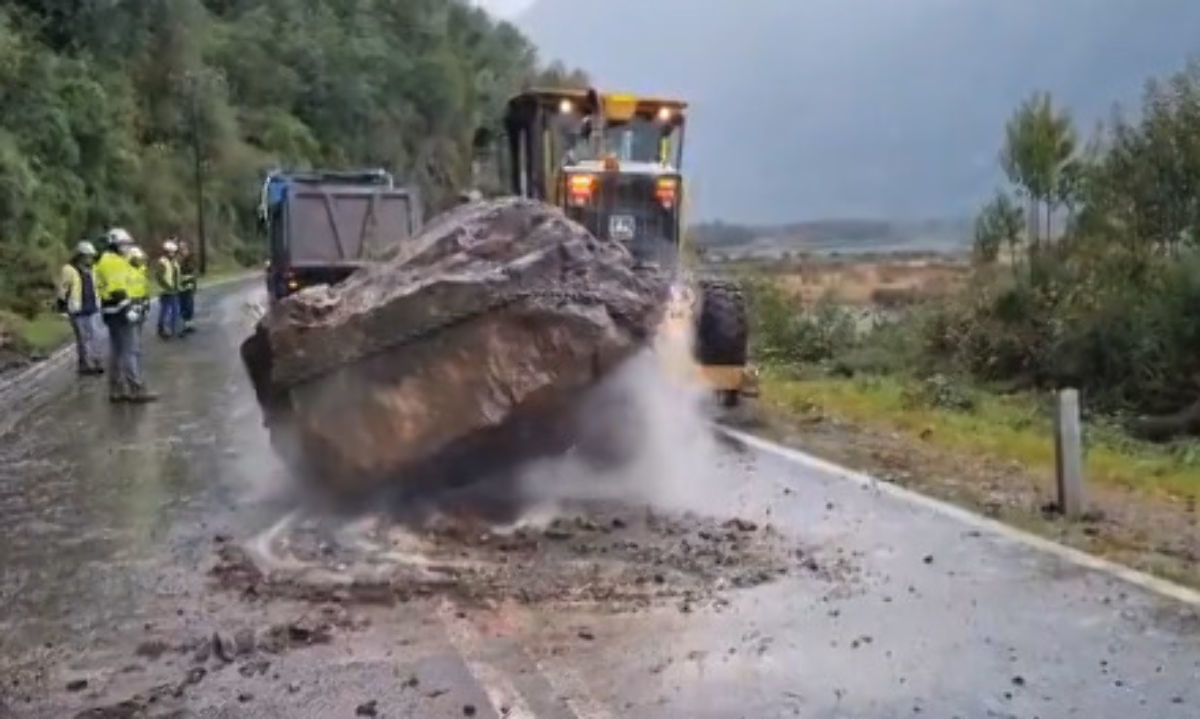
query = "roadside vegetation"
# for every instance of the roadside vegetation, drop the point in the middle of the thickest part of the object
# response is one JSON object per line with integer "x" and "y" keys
{"x": 110, "y": 112}
{"x": 1085, "y": 273}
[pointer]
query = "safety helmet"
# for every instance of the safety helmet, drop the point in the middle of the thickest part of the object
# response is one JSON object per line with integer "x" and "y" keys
{"x": 85, "y": 248}
{"x": 170, "y": 247}
{"x": 119, "y": 236}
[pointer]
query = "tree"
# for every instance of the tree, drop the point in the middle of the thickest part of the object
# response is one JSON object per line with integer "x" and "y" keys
{"x": 998, "y": 224}
{"x": 119, "y": 112}
{"x": 1039, "y": 147}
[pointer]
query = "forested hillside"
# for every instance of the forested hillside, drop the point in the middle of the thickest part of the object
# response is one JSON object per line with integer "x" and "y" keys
{"x": 104, "y": 105}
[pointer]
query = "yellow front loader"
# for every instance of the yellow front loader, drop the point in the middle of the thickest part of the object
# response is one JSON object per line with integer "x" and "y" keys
{"x": 613, "y": 163}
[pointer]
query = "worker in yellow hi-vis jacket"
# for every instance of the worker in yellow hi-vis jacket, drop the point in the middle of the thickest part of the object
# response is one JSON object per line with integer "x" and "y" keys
{"x": 77, "y": 300}
{"x": 115, "y": 278}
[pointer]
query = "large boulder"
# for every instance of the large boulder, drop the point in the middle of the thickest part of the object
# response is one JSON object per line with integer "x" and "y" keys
{"x": 464, "y": 352}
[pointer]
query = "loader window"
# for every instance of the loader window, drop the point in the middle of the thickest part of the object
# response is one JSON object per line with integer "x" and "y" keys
{"x": 641, "y": 140}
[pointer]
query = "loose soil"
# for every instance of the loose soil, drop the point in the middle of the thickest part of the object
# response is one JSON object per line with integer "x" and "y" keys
{"x": 610, "y": 558}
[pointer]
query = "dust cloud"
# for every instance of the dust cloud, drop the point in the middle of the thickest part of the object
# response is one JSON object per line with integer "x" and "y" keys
{"x": 644, "y": 434}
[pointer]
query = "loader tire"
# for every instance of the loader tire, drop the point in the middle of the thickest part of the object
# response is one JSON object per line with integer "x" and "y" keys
{"x": 721, "y": 335}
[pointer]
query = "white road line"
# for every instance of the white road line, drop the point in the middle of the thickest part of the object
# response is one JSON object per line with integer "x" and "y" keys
{"x": 1162, "y": 587}
{"x": 506, "y": 701}
{"x": 571, "y": 687}
{"x": 261, "y": 548}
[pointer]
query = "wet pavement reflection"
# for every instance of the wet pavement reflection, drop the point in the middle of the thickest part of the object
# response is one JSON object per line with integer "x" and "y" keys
{"x": 105, "y": 510}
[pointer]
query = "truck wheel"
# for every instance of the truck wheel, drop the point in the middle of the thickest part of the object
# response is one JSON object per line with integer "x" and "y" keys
{"x": 721, "y": 334}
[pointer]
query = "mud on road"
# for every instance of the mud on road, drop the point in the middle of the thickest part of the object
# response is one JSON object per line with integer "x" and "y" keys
{"x": 309, "y": 586}
{"x": 608, "y": 556}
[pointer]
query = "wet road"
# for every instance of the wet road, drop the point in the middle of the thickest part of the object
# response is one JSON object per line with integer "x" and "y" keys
{"x": 108, "y": 522}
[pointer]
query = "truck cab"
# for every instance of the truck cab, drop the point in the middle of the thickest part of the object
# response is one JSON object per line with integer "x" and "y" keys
{"x": 322, "y": 226}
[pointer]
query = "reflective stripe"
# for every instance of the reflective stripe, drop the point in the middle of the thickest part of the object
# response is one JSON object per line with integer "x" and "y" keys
{"x": 114, "y": 309}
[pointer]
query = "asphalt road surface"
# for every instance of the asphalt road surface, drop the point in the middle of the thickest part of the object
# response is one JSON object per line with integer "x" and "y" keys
{"x": 111, "y": 518}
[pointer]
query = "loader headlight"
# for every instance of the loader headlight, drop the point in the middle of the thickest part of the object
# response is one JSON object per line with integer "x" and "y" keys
{"x": 665, "y": 191}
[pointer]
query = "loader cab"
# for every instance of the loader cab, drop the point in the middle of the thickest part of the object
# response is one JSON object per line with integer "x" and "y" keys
{"x": 612, "y": 162}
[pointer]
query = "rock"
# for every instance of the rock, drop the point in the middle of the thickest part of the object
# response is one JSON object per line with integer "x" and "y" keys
{"x": 223, "y": 647}
{"x": 383, "y": 378}
{"x": 195, "y": 675}
{"x": 469, "y": 710}
{"x": 243, "y": 642}
{"x": 741, "y": 525}
{"x": 151, "y": 649}
{"x": 245, "y": 697}
{"x": 77, "y": 685}
{"x": 252, "y": 669}
{"x": 557, "y": 533}
{"x": 367, "y": 709}
{"x": 586, "y": 635}
{"x": 928, "y": 559}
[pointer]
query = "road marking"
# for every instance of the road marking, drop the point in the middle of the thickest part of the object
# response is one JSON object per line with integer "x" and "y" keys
{"x": 261, "y": 548}
{"x": 502, "y": 694}
{"x": 574, "y": 691}
{"x": 1154, "y": 584}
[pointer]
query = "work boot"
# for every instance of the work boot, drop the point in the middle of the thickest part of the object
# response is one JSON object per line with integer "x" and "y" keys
{"x": 118, "y": 397}
{"x": 142, "y": 397}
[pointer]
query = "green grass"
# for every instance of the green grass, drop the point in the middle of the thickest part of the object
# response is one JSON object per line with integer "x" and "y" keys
{"x": 1007, "y": 427}
{"x": 43, "y": 334}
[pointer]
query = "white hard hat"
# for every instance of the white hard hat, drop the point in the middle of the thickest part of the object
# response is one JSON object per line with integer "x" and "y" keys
{"x": 170, "y": 246}
{"x": 120, "y": 236}
{"x": 85, "y": 248}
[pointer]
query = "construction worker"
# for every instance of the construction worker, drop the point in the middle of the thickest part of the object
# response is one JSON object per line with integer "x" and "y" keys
{"x": 139, "y": 287}
{"x": 187, "y": 287}
{"x": 77, "y": 300}
{"x": 166, "y": 273}
{"x": 114, "y": 279}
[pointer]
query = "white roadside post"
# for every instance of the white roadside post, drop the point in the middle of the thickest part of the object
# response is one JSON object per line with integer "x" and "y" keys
{"x": 1068, "y": 446}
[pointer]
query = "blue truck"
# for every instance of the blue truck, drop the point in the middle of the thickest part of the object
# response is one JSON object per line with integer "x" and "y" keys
{"x": 321, "y": 226}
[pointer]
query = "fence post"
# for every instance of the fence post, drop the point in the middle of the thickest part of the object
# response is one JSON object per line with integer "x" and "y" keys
{"x": 1068, "y": 453}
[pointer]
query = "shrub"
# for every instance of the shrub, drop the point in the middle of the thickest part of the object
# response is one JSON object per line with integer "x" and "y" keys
{"x": 784, "y": 332}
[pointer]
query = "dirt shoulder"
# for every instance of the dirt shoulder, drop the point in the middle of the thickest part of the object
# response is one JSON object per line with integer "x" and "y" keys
{"x": 1151, "y": 531}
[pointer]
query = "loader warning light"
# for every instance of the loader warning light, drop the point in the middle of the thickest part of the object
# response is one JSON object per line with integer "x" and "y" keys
{"x": 665, "y": 191}
{"x": 664, "y": 114}
{"x": 566, "y": 107}
{"x": 579, "y": 188}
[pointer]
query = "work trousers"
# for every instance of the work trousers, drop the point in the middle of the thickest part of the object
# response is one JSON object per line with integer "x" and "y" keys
{"x": 187, "y": 305}
{"x": 168, "y": 315}
{"x": 124, "y": 358}
{"x": 87, "y": 354}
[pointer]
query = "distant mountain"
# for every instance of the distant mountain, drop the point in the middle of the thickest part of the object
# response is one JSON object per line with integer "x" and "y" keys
{"x": 863, "y": 108}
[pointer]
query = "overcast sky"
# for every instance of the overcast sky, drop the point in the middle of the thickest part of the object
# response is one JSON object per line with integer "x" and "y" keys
{"x": 505, "y": 8}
